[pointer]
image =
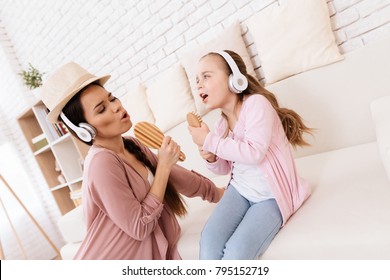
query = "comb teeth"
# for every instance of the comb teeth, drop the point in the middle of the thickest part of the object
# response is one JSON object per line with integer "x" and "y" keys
{"x": 194, "y": 119}
{"x": 151, "y": 136}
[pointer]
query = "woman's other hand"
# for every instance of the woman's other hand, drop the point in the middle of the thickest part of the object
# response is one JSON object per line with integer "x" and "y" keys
{"x": 169, "y": 152}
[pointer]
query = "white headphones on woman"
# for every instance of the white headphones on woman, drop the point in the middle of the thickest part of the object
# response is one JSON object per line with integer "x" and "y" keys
{"x": 84, "y": 131}
{"x": 237, "y": 81}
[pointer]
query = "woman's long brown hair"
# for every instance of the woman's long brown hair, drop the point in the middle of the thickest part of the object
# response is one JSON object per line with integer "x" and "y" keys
{"x": 75, "y": 113}
{"x": 292, "y": 123}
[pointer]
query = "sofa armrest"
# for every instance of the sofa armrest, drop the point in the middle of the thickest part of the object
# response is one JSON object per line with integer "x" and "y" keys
{"x": 72, "y": 225}
{"x": 381, "y": 117}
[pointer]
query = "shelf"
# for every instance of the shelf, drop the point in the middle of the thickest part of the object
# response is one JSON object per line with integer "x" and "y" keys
{"x": 61, "y": 139}
{"x": 42, "y": 150}
{"x": 78, "y": 180}
{"x": 54, "y": 147}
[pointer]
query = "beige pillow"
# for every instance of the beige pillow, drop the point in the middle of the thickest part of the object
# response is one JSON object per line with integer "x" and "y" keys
{"x": 170, "y": 98}
{"x": 293, "y": 37}
{"x": 136, "y": 105}
{"x": 228, "y": 39}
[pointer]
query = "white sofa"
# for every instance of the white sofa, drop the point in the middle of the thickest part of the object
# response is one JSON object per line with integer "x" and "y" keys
{"x": 348, "y": 213}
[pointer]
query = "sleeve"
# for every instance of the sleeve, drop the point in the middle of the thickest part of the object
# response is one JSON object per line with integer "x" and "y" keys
{"x": 110, "y": 190}
{"x": 188, "y": 183}
{"x": 191, "y": 184}
{"x": 220, "y": 166}
{"x": 259, "y": 119}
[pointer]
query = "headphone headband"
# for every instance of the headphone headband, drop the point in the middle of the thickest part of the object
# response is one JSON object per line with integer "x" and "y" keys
{"x": 232, "y": 64}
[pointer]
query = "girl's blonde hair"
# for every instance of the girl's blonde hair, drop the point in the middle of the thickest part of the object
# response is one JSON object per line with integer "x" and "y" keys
{"x": 292, "y": 123}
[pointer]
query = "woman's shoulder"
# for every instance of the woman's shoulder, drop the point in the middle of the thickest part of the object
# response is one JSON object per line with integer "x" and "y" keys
{"x": 99, "y": 156}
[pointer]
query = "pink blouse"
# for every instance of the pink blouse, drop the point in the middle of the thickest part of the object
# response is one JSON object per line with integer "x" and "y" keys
{"x": 259, "y": 139}
{"x": 124, "y": 220}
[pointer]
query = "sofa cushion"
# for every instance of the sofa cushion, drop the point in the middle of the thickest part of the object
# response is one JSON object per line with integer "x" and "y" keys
{"x": 229, "y": 39}
{"x": 192, "y": 224}
{"x": 69, "y": 250}
{"x": 136, "y": 104}
{"x": 335, "y": 100}
{"x": 381, "y": 116}
{"x": 346, "y": 217}
{"x": 72, "y": 225}
{"x": 170, "y": 98}
{"x": 293, "y": 37}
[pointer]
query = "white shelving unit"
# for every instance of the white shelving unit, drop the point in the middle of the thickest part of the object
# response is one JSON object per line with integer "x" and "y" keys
{"x": 61, "y": 155}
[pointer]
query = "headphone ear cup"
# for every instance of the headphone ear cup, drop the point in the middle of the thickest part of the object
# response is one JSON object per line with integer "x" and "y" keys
{"x": 240, "y": 83}
{"x": 237, "y": 84}
{"x": 232, "y": 88}
{"x": 237, "y": 81}
{"x": 86, "y": 132}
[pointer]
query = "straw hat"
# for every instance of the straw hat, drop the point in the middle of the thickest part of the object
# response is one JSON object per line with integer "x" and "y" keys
{"x": 65, "y": 83}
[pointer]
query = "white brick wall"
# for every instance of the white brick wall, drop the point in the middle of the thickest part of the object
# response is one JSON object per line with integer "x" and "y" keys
{"x": 359, "y": 22}
{"x": 136, "y": 40}
{"x": 15, "y": 99}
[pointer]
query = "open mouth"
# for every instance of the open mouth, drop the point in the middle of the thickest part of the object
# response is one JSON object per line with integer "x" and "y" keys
{"x": 125, "y": 115}
{"x": 203, "y": 96}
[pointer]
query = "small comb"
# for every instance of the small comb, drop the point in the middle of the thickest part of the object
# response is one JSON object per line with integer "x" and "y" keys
{"x": 151, "y": 136}
{"x": 194, "y": 119}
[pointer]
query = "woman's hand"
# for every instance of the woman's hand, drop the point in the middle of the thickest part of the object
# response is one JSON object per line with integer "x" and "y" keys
{"x": 168, "y": 155}
{"x": 199, "y": 133}
{"x": 221, "y": 191}
{"x": 169, "y": 152}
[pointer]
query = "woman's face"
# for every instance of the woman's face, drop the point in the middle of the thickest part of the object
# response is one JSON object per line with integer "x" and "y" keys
{"x": 104, "y": 112}
{"x": 212, "y": 82}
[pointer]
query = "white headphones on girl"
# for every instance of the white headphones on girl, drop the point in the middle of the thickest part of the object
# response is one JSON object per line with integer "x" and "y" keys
{"x": 84, "y": 131}
{"x": 237, "y": 81}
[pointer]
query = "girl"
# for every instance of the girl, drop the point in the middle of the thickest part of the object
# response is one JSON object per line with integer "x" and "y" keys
{"x": 251, "y": 142}
{"x": 130, "y": 195}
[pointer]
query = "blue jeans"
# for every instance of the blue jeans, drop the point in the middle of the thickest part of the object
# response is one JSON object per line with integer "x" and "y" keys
{"x": 239, "y": 229}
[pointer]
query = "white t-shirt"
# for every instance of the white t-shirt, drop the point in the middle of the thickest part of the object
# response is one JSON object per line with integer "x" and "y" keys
{"x": 250, "y": 182}
{"x": 150, "y": 176}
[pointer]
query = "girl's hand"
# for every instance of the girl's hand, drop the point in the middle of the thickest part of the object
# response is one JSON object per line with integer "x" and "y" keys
{"x": 199, "y": 133}
{"x": 210, "y": 157}
{"x": 169, "y": 152}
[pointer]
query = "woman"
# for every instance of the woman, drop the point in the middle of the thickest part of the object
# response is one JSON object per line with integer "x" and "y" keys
{"x": 130, "y": 195}
{"x": 252, "y": 143}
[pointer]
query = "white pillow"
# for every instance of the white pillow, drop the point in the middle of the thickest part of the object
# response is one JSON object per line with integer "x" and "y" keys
{"x": 293, "y": 37}
{"x": 381, "y": 116}
{"x": 228, "y": 39}
{"x": 170, "y": 98}
{"x": 136, "y": 105}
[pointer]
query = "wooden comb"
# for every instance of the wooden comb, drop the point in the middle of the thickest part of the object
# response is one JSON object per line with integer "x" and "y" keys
{"x": 194, "y": 119}
{"x": 151, "y": 136}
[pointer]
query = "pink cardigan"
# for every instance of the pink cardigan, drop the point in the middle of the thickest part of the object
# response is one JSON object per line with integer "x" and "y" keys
{"x": 125, "y": 221}
{"x": 259, "y": 139}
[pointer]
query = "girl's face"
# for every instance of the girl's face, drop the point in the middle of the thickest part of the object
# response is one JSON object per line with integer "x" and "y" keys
{"x": 212, "y": 82}
{"x": 104, "y": 112}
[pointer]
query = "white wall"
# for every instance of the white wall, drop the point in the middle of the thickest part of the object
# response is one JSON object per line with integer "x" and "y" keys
{"x": 136, "y": 40}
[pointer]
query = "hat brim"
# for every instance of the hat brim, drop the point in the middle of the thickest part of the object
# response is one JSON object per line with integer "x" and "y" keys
{"x": 53, "y": 115}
